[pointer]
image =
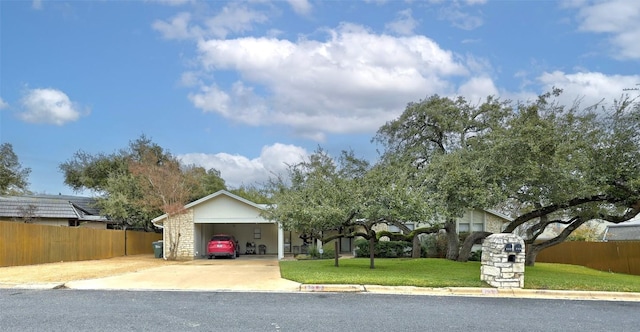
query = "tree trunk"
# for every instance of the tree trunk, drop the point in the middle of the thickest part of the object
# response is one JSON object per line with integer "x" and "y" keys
{"x": 372, "y": 248}
{"x": 532, "y": 254}
{"x": 533, "y": 249}
{"x": 337, "y": 250}
{"x": 452, "y": 239}
{"x": 467, "y": 245}
{"x": 417, "y": 248}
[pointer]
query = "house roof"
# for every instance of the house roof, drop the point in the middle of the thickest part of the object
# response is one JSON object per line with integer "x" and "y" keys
{"x": 43, "y": 207}
{"x": 86, "y": 204}
{"x": 16, "y": 207}
{"x": 212, "y": 196}
{"x": 627, "y": 231}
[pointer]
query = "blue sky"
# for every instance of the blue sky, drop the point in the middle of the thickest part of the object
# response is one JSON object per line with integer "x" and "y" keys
{"x": 246, "y": 87}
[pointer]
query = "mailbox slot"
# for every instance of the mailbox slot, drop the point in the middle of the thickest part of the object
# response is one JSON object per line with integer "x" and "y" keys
{"x": 517, "y": 248}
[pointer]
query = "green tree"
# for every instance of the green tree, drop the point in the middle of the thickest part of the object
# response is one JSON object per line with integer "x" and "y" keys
{"x": 565, "y": 166}
{"x": 318, "y": 195}
{"x": 129, "y": 182}
{"x": 390, "y": 196}
{"x": 204, "y": 181}
{"x": 347, "y": 198}
{"x": 428, "y": 132}
{"x": 252, "y": 193}
{"x": 13, "y": 177}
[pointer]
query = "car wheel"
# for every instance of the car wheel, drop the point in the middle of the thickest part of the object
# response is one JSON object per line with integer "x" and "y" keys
{"x": 210, "y": 256}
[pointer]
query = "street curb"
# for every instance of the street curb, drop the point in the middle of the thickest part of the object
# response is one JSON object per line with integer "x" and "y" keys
{"x": 399, "y": 290}
{"x": 332, "y": 288}
{"x": 476, "y": 292}
{"x": 38, "y": 286}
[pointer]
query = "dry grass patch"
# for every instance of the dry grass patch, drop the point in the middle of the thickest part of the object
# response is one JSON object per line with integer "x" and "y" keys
{"x": 68, "y": 271}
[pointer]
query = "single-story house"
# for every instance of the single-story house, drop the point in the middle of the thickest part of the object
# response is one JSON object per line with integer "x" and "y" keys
{"x": 54, "y": 210}
{"x": 472, "y": 221}
{"x": 225, "y": 213}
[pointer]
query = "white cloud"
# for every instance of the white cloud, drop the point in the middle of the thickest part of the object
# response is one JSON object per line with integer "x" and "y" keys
{"x": 478, "y": 88}
{"x": 212, "y": 99}
{"x": 475, "y": 2}
{"x": 404, "y": 23}
{"x": 620, "y": 19}
{"x": 36, "y": 4}
{"x": 3, "y": 104}
{"x": 591, "y": 87}
{"x": 353, "y": 81}
{"x": 234, "y": 18}
{"x": 302, "y": 7}
{"x": 177, "y": 28}
{"x": 48, "y": 106}
{"x": 239, "y": 170}
{"x": 459, "y": 18}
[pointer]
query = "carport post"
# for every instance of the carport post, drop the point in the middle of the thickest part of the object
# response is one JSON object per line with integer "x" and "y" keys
{"x": 280, "y": 242}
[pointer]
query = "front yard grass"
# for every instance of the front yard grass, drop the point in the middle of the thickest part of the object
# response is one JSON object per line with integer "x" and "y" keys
{"x": 431, "y": 272}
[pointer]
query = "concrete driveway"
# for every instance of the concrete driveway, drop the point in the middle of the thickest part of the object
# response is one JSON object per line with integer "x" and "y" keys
{"x": 247, "y": 273}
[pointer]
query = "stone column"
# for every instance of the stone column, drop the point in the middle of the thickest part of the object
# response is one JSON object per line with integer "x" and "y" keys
{"x": 503, "y": 260}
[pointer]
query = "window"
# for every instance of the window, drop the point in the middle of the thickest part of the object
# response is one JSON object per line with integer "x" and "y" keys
{"x": 472, "y": 221}
{"x": 257, "y": 233}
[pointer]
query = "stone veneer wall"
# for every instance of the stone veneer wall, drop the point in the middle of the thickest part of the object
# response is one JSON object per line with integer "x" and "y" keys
{"x": 497, "y": 269}
{"x": 179, "y": 228}
{"x": 494, "y": 224}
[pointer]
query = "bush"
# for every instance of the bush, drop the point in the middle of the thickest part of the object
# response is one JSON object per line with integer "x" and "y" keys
{"x": 476, "y": 256}
{"x": 435, "y": 245}
{"x": 384, "y": 249}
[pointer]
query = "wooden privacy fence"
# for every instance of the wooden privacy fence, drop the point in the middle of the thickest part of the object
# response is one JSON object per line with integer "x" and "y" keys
{"x": 27, "y": 244}
{"x": 620, "y": 256}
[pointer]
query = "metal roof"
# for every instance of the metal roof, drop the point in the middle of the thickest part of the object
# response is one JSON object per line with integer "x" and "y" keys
{"x": 17, "y": 207}
{"x": 622, "y": 232}
{"x": 86, "y": 204}
{"x": 39, "y": 207}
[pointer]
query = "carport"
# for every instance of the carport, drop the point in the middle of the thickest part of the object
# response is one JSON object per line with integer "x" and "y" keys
{"x": 218, "y": 213}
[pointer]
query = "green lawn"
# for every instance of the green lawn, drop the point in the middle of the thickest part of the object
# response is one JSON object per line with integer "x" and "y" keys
{"x": 444, "y": 273}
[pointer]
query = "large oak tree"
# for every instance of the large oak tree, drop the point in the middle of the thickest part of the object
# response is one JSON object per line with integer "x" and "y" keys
{"x": 426, "y": 134}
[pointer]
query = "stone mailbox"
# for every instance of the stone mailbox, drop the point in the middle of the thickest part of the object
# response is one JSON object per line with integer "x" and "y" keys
{"x": 503, "y": 261}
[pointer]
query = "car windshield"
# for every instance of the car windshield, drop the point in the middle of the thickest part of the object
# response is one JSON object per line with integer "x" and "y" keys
{"x": 221, "y": 238}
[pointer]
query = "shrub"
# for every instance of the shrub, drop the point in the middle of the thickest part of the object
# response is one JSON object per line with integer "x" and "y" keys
{"x": 384, "y": 249}
{"x": 476, "y": 256}
{"x": 435, "y": 245}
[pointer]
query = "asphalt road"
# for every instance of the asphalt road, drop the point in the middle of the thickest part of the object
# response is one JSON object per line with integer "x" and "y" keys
{"x": 83, "y": 310}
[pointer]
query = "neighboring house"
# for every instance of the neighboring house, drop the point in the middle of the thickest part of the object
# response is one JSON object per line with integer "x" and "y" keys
{"x": 473, "y": 220}
{"x": 627, "y": 231}
{"x": 54, "y": 210}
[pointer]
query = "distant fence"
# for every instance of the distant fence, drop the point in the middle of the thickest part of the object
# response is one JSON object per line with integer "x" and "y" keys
{"x": 619, "y": 256}
{"x": 27, "y": 244}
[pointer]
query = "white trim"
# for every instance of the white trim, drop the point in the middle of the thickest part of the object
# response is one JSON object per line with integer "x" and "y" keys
{"x": 214, "y": 195}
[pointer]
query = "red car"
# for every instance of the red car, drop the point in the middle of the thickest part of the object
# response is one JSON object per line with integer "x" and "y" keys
{"x": 223, "y": 245}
